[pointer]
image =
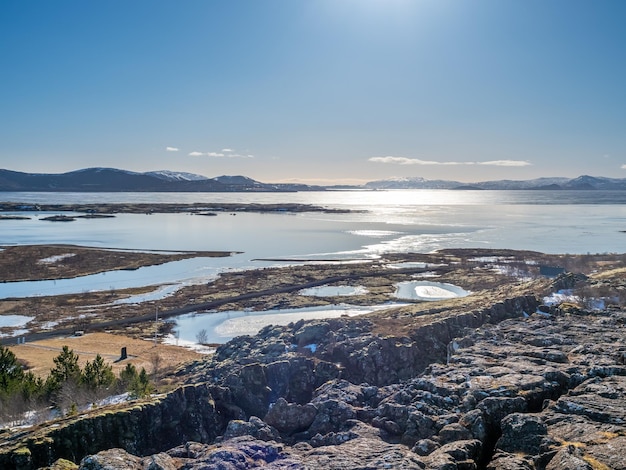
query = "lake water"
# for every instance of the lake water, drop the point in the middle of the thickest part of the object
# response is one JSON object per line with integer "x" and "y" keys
{"x": 221, "y": 327}
{"x": 390, "y": 221}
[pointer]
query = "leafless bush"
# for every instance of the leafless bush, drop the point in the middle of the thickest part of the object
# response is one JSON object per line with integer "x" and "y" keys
{"x": 599, "y": 297}
{"x": 202, "y": 336}
{"x": 70, "y": 396}
{"x": 155, "y": 360}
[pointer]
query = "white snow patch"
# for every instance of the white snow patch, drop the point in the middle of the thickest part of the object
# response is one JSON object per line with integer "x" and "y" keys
{"x": 428, "y": 291}
{"x": 563, "y": 295}
{"x": 157, "y": 294}
{"x": 407, "y": 265}
{"x": 173, "y": 340}
{"x": 14, "y": 333}
{"x": 56, "y": 258}
{"x": 333, "y": 291}
{"x": 112, "y": 400}
{"x": 489, "y": 259}
{"x": 425, "y": 274}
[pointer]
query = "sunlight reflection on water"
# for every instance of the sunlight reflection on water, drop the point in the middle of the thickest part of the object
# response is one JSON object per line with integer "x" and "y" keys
{"x": 393, "y": 221}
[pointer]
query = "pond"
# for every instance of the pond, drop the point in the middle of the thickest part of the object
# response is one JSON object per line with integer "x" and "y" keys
{"x": 428, "y": 291}
{"x": 221, "y": 327}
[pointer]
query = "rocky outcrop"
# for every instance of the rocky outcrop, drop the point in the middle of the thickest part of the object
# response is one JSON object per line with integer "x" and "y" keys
{"x": 188, "y": 413}
{"x": 509, "y": 389}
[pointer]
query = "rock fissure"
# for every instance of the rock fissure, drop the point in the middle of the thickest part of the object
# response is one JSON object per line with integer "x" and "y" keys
{"x": 488, "y": 389}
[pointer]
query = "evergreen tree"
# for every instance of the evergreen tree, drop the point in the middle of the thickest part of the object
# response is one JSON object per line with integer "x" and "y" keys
{"x": 141, "y": 386}
{"x": 127, "y": 377}
{"x": 66, "y": 369}
{"x": 32, "y": 387}
{"x": 98, "y": 375}
{"x": 11, "y": 372}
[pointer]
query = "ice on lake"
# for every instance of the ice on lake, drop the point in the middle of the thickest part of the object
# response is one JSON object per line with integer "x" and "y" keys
{"x": 428, "y": 291}
{"x": 221, "y": 327}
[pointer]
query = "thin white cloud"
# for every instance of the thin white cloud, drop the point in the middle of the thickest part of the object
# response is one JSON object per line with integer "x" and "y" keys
{"x": 417, "y": 161}
{"x": 404, "y": 161}
{"x": 171, "y": 149}
{"x": 623, "y": 167}
{"x": 221, "y": 154}
{"x": 227, "y": 150}
{"x": 505, "y": 163}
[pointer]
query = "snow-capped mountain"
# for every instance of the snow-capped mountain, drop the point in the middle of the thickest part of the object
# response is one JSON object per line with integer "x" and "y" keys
{"x": 176, "y": 175}
{"x": 548, "y": 183}
{"x": 115, "y": 180}
{"x": 411, "y": 182}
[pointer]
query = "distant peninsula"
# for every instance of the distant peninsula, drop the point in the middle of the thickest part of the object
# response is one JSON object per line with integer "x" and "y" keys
{"x": 116, "y": 180}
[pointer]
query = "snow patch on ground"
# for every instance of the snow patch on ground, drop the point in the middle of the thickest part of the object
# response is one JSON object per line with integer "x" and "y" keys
{"x": 173, "y": 340}
{"x": 407, "y": 265}
{"x": 563, "y": 295}
{"x": 56, "y": 258}
{"x": 490, "y": 259}
{"x": 333, "y": 291}
{"x": 157, "y": 294}
{"x": 425, "y": 274}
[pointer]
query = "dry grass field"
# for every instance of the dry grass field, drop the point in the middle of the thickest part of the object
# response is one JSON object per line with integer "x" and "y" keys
{"x": 39, "y": 355}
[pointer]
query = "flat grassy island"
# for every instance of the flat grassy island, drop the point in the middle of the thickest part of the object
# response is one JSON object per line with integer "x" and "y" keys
{"x": 41, "y": 262}
{"x": 149, "y": 208}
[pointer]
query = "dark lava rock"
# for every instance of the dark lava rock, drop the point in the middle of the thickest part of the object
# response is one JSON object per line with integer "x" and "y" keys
{"x": 528, "y": 391}
{"x": 459, "y": 454}
{"x": 114, "y": 459}
{"x": 254, "y": 427}
{"x": 522, "y": 433}
{"x": 290, "y": 417}
{"x": 568, "y": 458}
{"x": 504, "y": 461}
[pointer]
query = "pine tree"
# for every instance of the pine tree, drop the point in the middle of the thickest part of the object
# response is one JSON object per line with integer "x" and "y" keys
{"x": 127, "y": 377}
{"x": 66, "y": 369}
{"x": 141, "y": 386}
{"x": 98, "y": 375}
{"x": 11, "y": 372}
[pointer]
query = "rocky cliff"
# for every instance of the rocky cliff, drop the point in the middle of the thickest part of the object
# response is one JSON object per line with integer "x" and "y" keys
{"x": 502, "y": 387}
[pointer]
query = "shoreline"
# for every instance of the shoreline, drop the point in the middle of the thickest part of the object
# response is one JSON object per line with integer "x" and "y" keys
{"x": 53, "y": 262}
{"x": 198, "y": 208}
{"x": 478, "y": 271}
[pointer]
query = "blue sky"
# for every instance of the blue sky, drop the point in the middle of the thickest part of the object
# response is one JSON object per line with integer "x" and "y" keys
{"x": 316, "y": 91}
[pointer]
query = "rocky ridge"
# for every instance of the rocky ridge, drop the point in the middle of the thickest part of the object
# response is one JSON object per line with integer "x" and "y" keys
{"x": 512, "y": 386}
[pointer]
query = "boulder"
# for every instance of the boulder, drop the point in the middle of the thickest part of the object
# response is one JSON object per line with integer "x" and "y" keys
{"x": 112, "y": 459}
{"x": 568, "y": 458}
{"x": 290, "y": 417}
{"x": 522, "y": 433}
{"x": 254, "y": 427}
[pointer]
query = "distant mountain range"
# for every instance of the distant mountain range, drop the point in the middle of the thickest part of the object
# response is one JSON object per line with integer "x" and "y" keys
{"x": 115, "y": 180}
{"x": 580, "y": 183}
